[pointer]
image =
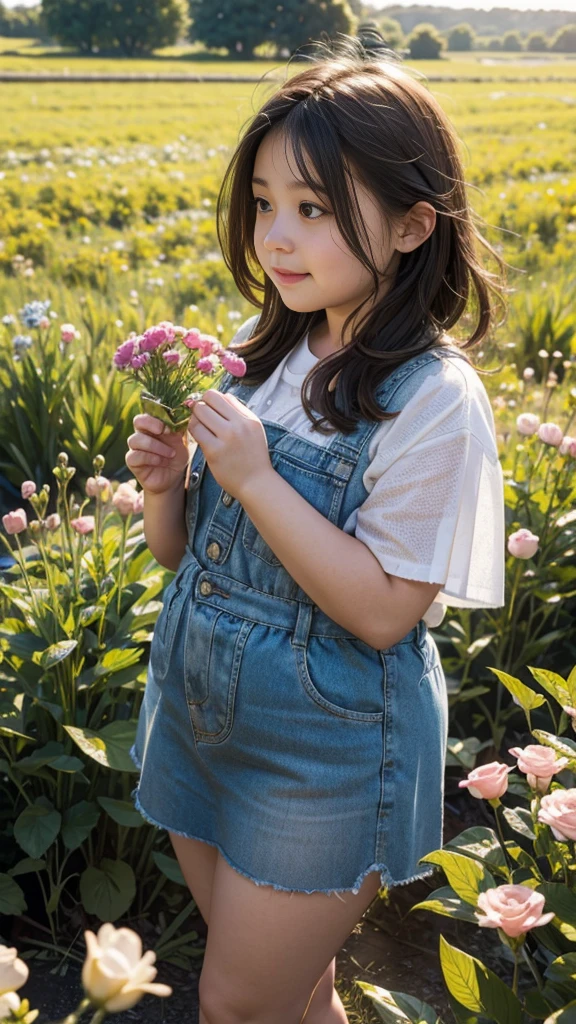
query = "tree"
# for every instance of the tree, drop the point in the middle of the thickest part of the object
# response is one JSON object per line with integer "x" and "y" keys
{"x": 141, "y": 26}
{"x": 495, "y": 43}
{"x": 425, "y": 43}
{"x": 537, "y": 42}
{"x": 512, "y": 41}
{"x": 392, "y": 32}
{"x": 461, "y": 37}
{"x": 565, "y": 40}
{"x": 77, "y": 23}
{"x": 241, "y": 27}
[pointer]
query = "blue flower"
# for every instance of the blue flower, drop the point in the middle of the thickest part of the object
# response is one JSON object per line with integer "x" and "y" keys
{"x": 21, "y": 342}
{"x": 33, "y": 312}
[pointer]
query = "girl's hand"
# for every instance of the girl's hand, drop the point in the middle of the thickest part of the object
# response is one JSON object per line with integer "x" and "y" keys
{"x": 232, "y": 439}
{"x": 158, "y": 457}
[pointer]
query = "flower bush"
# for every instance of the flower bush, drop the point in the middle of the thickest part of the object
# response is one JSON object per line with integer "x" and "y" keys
{"x": 79, "y": 603}
{"x": 519, "y": 880}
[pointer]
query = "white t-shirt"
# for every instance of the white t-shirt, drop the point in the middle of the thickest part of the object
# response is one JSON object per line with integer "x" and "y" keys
{"x": 435, "y": 505}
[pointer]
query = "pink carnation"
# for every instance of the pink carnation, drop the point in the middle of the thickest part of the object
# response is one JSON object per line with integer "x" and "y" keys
{"x": 139, "y": 361}
{"x": 67, "y": 333}
{"x": 15, "y": 522}
{"x": 158, "y": 335}
{"x": 171, "y": 356}
{"x": 233, "y": 363}
{"x": 124, "y": 353}
{"x": 551, "y": 434}
{"x": 527, "y": 423}
{"x": 208, "y": 364}
{"x": 192, "y": 339}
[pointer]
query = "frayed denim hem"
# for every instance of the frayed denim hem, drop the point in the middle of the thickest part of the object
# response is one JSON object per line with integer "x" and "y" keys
{"x": 386, "y": 880}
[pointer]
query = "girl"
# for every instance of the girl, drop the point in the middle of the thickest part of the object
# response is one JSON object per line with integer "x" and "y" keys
{"x": 293, "y": 728}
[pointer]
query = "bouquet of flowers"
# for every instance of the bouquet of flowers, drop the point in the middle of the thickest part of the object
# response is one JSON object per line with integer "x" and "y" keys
{"x": 173, "y": 379}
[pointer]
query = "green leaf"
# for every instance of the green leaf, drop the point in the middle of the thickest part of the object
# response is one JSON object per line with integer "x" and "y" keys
{"x": 561, "y": 900}
{"x": 23, "y": 644}
{"x": 122, "y": 812}
{"x": 476, "y": 987}
{"x": 567, "y": 1015}
{"x": 477, "y": 646}
{"x": 169, "y": 866}
{"x": 27, "y": 864}
{"x": 526, "y": 697}
{"x": 520, "y": 820}
{"x": 79, "y": 821}
{"x": 480, "y": 843}
{"x": 12, "y": 899}
{"x": 109, "y": 890}
{"x": 51, "y": 754}
{"x": 36, "y": 828}
{"x": 553, "y": 683}
{"x": 110, "y": 746}
{"x": 55, "y": 653}
{"x": 446, "y": 902}
{"x": 562, "y": 745}
{"x": 398, "y": 1007}
{"x": 466, "y": 876}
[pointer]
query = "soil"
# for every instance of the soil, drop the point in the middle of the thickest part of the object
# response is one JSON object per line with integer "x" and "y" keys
{"x": 390, "y": 947}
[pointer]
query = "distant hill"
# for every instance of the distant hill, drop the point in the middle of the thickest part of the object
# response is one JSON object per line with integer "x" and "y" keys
{"x": 485, "y": 23}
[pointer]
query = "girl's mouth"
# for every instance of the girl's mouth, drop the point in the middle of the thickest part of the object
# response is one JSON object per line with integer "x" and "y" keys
{"x": 289, "y": 278}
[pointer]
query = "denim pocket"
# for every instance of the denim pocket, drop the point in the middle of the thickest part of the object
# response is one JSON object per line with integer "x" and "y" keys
{"x": 428, "y": 654}
{"x": 213, "y": 648}
{"x": 165, "y": 630}
{"x": 345, "y": 677}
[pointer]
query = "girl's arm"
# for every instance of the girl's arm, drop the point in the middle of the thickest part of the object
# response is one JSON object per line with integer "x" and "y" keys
{"x": 165, "y": 523}
{"x": 336, "y": 570}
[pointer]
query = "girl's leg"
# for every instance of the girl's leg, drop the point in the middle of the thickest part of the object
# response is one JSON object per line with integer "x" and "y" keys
{"x": 197, "y": 862}
{"x": 266, "y": 949}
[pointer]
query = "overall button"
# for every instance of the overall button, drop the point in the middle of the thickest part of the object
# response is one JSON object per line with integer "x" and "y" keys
{"x": 213, "y": 550}
{"x": 194, "y": 476}
{"x": 227, "y": 499}
{"x": 205, "y": 588}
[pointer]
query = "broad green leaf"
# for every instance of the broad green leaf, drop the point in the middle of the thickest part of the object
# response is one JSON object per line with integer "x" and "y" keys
{"x": 12, "y": 900}
{"x": 27, "y": 864}
{"x": 79, "y": 821}
{"x": 480, "y": 843}
{"x": 108, "y": 891}
{"x": 466, "y": 876}
{"x": 55, "y": 653}
{"x": 36, "y": 828}
{"x": 561, "y": 900}
{"x": 477, "y": 987}
{"x": 169, "y": 866}
{"x": 567, "y": 1015}
{"x": 446, "y": 902}
{"x": 51, "y": 754}
{"x": 553, "y": 683}
{"x": 520, "y": 820}
{"x": 24, "y": 644}
{"x": 122, "y": 812}
{"x": 527, "y": 698}
{"x": 398, "y": 1007}
{"x": 110, "y": 746}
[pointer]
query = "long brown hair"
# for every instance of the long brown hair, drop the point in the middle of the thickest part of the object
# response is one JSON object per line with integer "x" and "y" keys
{"x": 353, "y": 110}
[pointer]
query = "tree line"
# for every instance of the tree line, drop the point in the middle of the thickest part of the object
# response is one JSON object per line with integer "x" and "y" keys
{"x": 239, "y": 27}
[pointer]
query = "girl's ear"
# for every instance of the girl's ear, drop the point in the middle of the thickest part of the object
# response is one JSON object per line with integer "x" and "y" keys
{"x": 415, "y": 227}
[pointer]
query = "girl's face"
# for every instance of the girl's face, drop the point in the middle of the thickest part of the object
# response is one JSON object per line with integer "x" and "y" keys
{"x": 297, "y": 231}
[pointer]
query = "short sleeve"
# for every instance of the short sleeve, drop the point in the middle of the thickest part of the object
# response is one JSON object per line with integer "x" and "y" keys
{"x": 435, "y": 511}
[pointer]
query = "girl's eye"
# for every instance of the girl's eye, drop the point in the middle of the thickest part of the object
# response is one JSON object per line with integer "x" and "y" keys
{"x": 260, "y": 199}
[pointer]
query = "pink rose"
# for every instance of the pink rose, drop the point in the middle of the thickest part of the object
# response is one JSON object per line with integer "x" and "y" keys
{"x": 28, "y": 488}
{"x": 53, "y": 521}
{"x": 233, "y": 364}
{"x": 558, "y": 810}
{"x": 566, "y": 444}
{"x": 67, "y": 333}
{"x": 527, "y": 423}
{"x": 83, "y": 524}
{"x": 551, "y": 434}
{"x": 513, "y": 908}
{"x": 139, "y": 503}
{"x": 15, "y": 522}
{"x": 124, "y": 353}
{"x": 96, "y": 485}
{"x": 489, "y": 781}
{"x": 523, "y": 544}
{"x": 171, "y": 356}
{"x": 124, "y": 499}
{"x": 539, "y": 763}
{"x": 572, "y": 450}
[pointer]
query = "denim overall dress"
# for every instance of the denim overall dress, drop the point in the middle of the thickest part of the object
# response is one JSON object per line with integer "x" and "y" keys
{"x": 267, "y": 730}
